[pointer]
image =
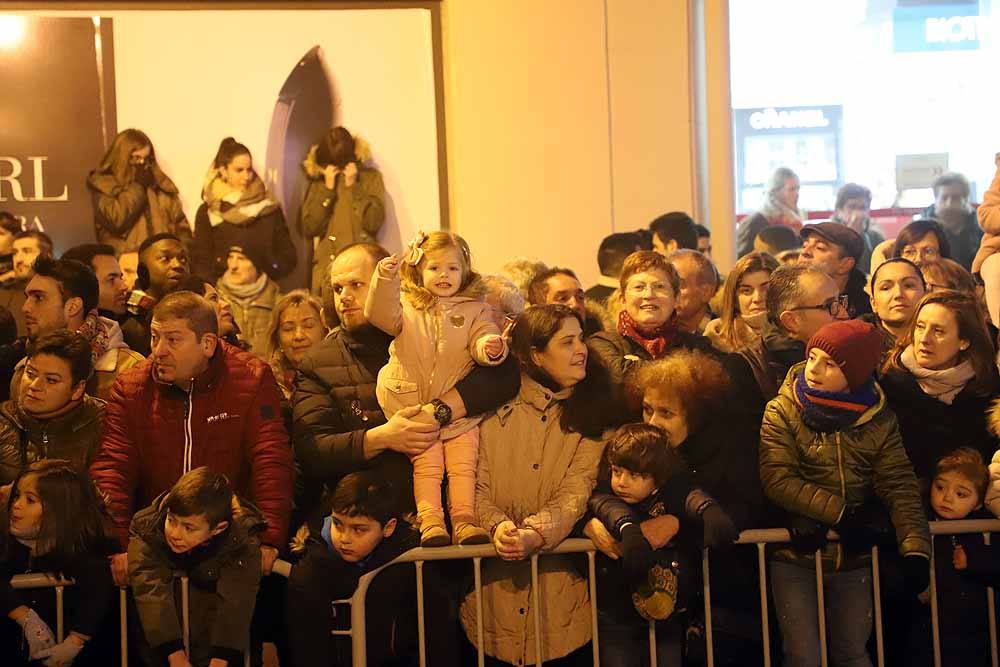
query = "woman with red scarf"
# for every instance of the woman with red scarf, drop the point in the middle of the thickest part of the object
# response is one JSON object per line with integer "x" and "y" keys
{"x": 647, "y": 327}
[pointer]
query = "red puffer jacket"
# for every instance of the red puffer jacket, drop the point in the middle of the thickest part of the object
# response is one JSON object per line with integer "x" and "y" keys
{"x": 230, "y": 421}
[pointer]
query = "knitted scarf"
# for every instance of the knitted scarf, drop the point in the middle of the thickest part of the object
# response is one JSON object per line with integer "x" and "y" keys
{"x": 245, "y": 292}
{"x": 655, "y": 342}
{"x": 238, "y": 207}
{"x": 943, "y": 385}
{"x": 778, "y": 212}
{"x": 832, "y": 411}
{"x": 97, "y": 332}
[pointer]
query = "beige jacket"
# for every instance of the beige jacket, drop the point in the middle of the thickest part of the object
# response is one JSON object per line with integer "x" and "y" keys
{"x": 434, "y": 347}
{"x": 253, "y": 315}
{"x": 534, "y": 474}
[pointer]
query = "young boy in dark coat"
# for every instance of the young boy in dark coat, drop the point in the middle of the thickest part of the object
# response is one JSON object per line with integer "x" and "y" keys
{"x": 362, "y": 533}
{"x": 201, "y": 529}
{"x": 964, "y": 565}
{"x": 642, "y": 477}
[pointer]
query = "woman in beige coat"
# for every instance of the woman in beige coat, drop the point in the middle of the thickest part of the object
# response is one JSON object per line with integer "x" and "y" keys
{"x": 537, "y": 467}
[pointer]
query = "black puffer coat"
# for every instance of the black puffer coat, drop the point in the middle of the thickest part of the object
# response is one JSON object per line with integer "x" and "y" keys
{"x": 932, "y": 428}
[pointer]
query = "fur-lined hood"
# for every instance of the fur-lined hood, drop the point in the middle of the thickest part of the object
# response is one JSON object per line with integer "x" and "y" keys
{"x": 993, "y": 419}
{"x": 362, "y": 151}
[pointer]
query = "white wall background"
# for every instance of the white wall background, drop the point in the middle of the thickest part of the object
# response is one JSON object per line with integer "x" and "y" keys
{"x": 190, "y": 78}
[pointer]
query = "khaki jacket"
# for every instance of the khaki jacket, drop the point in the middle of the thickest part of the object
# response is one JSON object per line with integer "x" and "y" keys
{"x": 821, "y": 475}
{"x": 989, "y": 210}
{"x": 536, "y": 475}
{"x": 253, "y": 316}
{"x": 434, "y": 347}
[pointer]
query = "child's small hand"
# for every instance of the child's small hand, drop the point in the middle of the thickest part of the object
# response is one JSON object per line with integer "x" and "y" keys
{"x": 389, "y": 266}
{"x": 178, "y": 659}
{"x": 267, "y": 557}
{"x": 494, "y": 347}
{"x": 426, "y": 414}
{"x": 959, "y": 558}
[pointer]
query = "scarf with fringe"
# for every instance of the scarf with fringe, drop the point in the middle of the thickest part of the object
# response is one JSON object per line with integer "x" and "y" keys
{"x": 655, "y": 342}
{"x": 237, "y": 207}
{"x": 98, "y": 332}
{"x": 829, "y": 411}
{"x": 944, "y": 385}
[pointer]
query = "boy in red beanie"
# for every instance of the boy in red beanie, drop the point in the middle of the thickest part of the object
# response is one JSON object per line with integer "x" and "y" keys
{"x": 830, "y": 446}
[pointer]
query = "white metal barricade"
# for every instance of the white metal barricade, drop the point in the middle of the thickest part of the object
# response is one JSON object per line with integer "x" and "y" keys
{"x": 758, "y": 537}
{"x": 48, "y": 580}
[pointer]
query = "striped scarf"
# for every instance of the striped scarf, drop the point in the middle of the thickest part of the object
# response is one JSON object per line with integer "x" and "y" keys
{"x": 237, "y": 207}
{"x": 832, "y": 411}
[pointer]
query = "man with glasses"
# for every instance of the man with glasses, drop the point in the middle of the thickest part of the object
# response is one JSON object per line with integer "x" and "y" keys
{"x": 835, "y": 250}
{"x": 800, "y": 299}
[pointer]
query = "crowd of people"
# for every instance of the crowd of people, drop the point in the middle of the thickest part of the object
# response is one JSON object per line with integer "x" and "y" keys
{"x": 196, "y": 420}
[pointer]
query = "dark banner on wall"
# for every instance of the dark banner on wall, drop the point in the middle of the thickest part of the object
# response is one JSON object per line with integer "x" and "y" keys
{"x": 57, "y": 111}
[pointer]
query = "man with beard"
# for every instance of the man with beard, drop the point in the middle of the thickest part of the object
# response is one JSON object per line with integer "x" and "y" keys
{"x": 163, "y": 264}
{"x": 63, "y": 294}
{"x": 113, "y": 299}
{"x": 951, "y": 208}
{"x": 28, "y": 246}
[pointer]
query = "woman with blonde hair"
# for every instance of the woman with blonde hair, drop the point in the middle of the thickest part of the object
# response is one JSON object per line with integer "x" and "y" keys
{"x": 780, "y": 207}
{"x": 744, "y": 303}
{"x": 296, "y": 326}
{"x": 133, "y": 199}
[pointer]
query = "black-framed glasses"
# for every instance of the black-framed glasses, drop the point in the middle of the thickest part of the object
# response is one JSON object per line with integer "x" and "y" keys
{"x": 835, "y": 306}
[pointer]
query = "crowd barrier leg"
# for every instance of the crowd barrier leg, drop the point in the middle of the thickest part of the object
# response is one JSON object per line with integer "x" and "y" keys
{"x": 765, "y": 627}
{"x": 935, "y": 628}
{"x": 60, "y": 628}
{"x": 592, "y": 573}
{"x": 821, "y": 608}
{"x": 992, "y": 614}
{"x": 652, "y": 644}
{"x": 877, "y": 603}
{"x": 185, "y": 615}
{"x": 123, "y": 623}
{"x": 359, "y": 645}
{"x": 536, "y": 603}
{"x": 477, "y": 567}
{"x": 707, "y": 592}
{"x": 420, "y": 613}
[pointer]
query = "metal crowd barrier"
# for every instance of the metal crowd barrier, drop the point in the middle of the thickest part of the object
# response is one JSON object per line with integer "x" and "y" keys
{"x": 759, "y": 537}
{"x": 48, "y": 580}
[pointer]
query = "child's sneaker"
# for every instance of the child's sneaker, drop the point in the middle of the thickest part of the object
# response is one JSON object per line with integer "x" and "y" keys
{"x": 467, "y": 533}
{"x": 433, "y": 533}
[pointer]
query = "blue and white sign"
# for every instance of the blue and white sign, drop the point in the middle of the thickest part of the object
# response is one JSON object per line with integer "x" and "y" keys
{"x": 952, "y": 27}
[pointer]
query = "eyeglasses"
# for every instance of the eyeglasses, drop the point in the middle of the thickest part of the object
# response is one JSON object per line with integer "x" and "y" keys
{"x": 929, "y": 253}
{"x": 835, "y": 307}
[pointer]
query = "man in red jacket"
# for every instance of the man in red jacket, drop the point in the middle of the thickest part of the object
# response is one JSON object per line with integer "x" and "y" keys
{"x": 196, "y": 401}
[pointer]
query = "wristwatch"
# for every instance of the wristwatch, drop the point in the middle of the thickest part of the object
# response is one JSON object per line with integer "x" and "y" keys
{"x": 442, "y": 412}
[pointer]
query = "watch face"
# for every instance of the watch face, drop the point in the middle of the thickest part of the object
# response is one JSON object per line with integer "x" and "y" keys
{"x": 442, "y": 413}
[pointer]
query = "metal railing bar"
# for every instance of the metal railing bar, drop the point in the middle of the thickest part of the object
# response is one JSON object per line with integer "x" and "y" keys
{"x": 592, "y": 582}
{"x": 707, "y": 593}
{"x": 935, "y": 636}
{"x": 536, "y": 600}
{"x": 877, "y": 602}
{"x": 765, "y": 621}
{"x": 821, "y": 607}
{"x": 477, "y": 566}
{"x": 421, "y": 639}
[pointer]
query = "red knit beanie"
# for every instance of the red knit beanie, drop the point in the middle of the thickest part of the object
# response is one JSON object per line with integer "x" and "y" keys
{"x": 856, "y": 346}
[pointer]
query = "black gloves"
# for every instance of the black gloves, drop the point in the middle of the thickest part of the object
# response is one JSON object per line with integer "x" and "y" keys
{"x": 916, "y": 573}
{"x": 863, "y": 526}
{"x": 719, "y": 527}
{"x": 144, "y": 176}
{"x": 807, "y": 535}
{"x": 637, "y": 555}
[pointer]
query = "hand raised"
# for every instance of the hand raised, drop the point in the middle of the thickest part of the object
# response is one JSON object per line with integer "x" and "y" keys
{"x": 350, "y": 174}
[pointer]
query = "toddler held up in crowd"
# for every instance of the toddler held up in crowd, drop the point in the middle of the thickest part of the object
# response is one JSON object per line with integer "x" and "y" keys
{"x": 442, "y": 328}
{"x": 641, "y": 477}
{"x": 829, "y": 447}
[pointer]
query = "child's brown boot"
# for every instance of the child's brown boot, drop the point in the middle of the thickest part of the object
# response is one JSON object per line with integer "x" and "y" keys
{"x": 466, "y": 532}
{"x": 433, "y": 533}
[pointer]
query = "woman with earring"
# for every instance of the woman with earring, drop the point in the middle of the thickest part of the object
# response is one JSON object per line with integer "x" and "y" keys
{"x": 238, "y": 211}
{"x": 133, "y": 199}
{"x": 345, "y": 202}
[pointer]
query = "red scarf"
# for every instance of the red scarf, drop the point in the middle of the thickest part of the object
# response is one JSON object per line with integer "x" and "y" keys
{"x": 655, "y": 342}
